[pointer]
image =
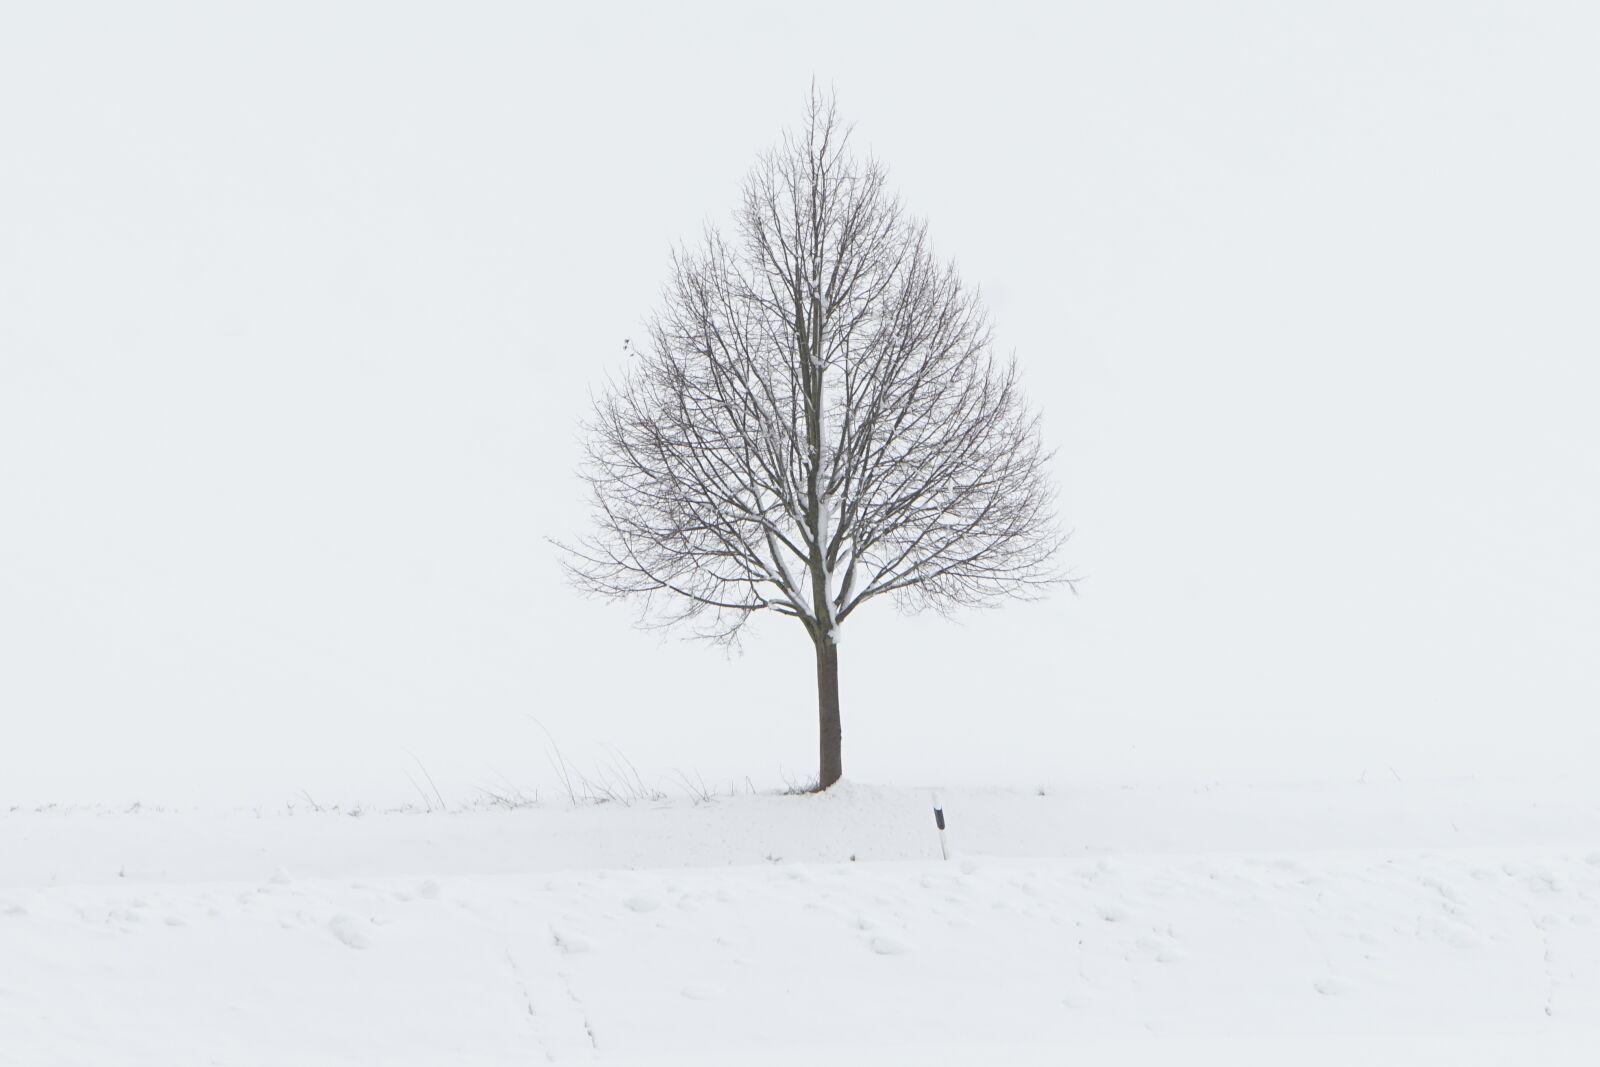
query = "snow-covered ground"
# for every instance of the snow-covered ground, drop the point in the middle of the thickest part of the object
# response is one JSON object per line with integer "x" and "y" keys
{"x": 1377, "y": 922}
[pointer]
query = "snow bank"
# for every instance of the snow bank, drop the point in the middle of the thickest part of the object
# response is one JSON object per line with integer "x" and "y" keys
{"x": 749, "y": 935}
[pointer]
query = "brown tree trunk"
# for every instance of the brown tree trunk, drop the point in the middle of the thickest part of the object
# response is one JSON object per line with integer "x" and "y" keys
{"x": 828, "y": 711}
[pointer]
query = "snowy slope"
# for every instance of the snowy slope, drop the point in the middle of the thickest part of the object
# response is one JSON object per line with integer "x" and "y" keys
{"x": 1352, "y": 924}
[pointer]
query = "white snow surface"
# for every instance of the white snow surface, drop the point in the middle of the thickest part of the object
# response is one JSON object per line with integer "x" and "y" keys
{"x": 1380, "y": 922}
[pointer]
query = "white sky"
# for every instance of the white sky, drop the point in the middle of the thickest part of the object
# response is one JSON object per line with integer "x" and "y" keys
{"x": 300, "y": 305}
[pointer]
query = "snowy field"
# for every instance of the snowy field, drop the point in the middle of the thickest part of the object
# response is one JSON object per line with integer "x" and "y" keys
{"x": 1377, "y": 922}
{"x": 301, "y": 306}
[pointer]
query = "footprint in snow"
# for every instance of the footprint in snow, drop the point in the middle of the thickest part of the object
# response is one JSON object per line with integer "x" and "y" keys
{"x": 570, "y": 943}
{"x": 1444, "y": 889}
{"x": 1542, "y": 881}
{"x": 1329, "y": 986}
{"x": 1113, "y": 913}
{"x": 1158, "y": 950}
{"x": 348, "y": 930}
{"x": 888, "y": 946}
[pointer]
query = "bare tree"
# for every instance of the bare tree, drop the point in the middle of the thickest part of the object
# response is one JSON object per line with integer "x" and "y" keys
{"x": 816, "y": 421}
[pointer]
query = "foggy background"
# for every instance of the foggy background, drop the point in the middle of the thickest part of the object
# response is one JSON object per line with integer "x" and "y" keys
{"x": 300, "y": 306}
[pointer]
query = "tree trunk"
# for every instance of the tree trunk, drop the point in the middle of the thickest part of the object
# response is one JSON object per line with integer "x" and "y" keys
{"x": 828, "y": 711}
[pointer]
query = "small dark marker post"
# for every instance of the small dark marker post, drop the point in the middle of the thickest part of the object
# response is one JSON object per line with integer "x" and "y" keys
{"x": 938, "y": 820}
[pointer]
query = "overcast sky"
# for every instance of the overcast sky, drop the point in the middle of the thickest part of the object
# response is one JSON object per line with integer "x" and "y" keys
{"x": 300, "y": 305}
